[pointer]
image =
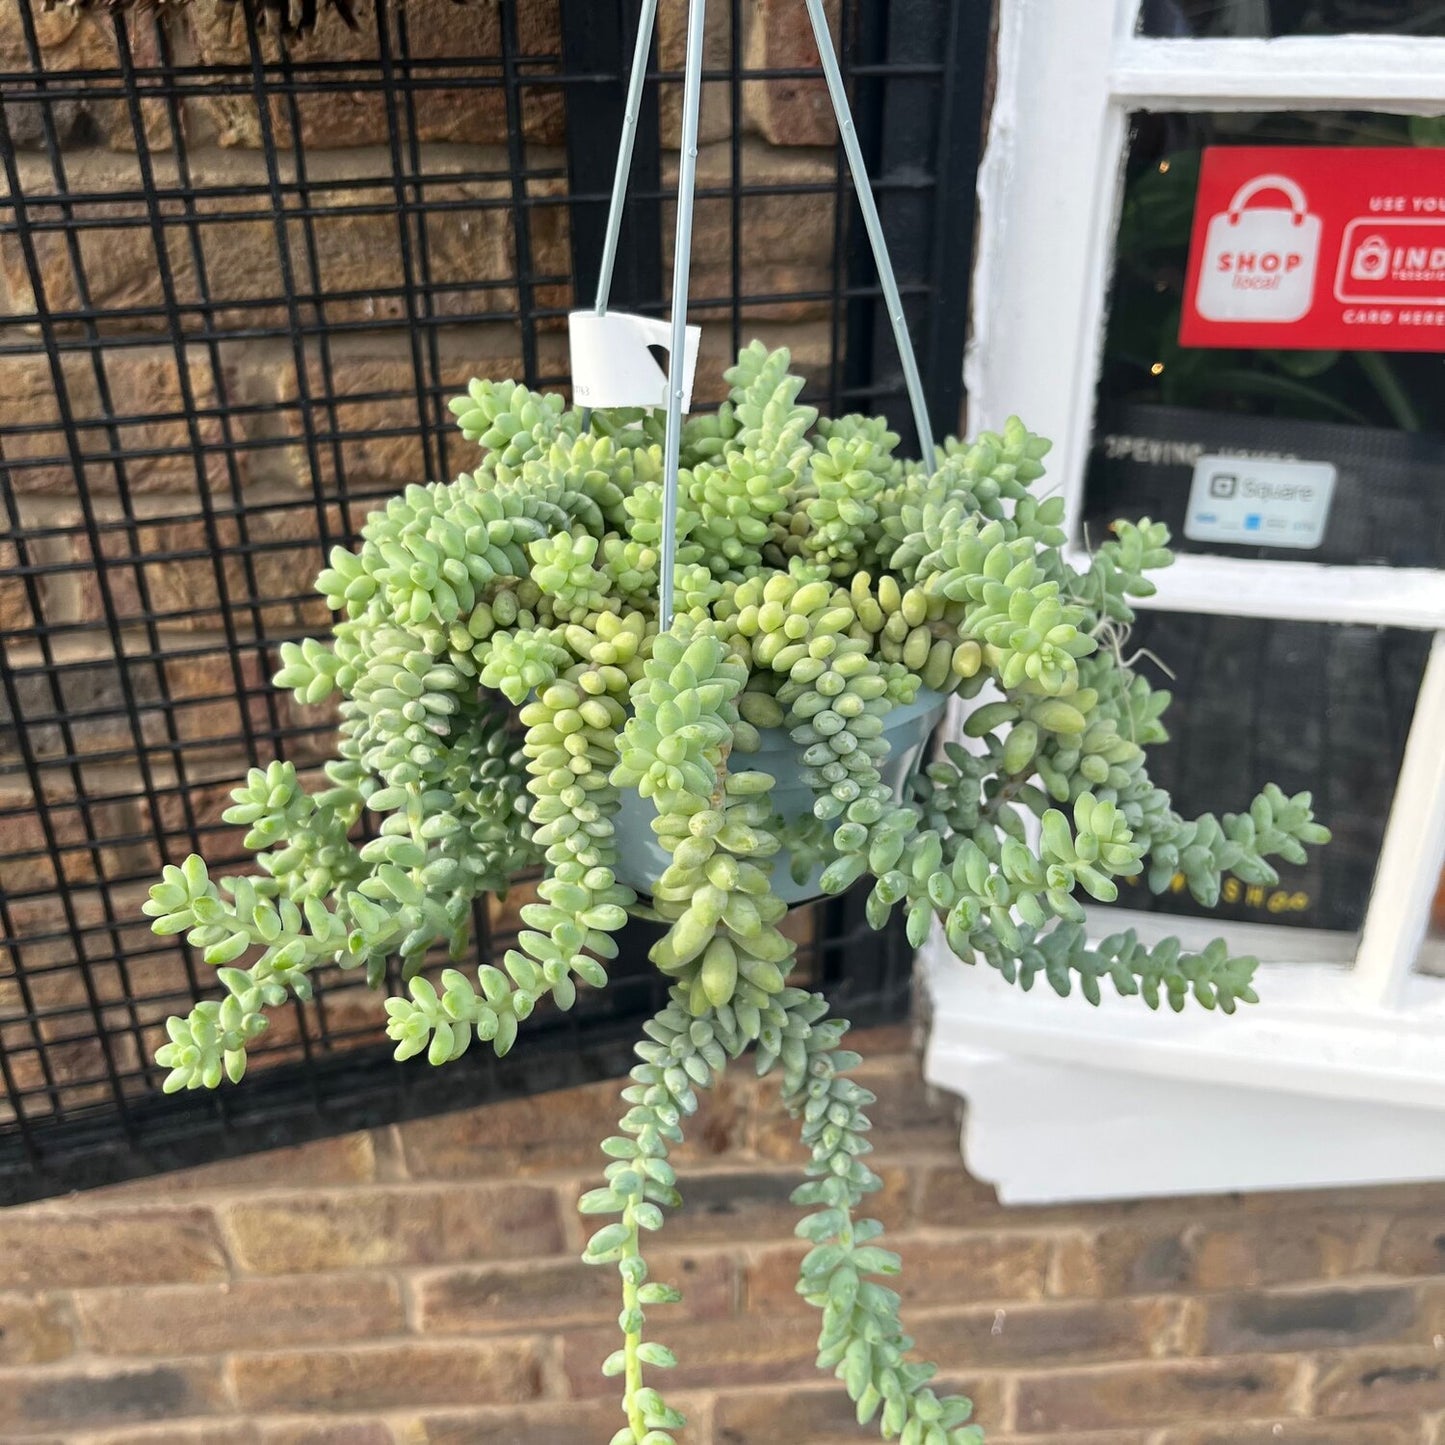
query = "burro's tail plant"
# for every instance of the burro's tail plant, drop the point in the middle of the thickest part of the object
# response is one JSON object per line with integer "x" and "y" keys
{"x": 504, "y": 680}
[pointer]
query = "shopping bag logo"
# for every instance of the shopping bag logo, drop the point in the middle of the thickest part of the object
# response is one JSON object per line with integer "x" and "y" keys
{"x": 1259, "y": 261}
{"x": 1371, "y": 260}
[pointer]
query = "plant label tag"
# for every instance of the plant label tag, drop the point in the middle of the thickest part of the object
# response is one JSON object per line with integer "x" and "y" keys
{"x": 1258, "y": 502}
{"x": 615, "y": 360}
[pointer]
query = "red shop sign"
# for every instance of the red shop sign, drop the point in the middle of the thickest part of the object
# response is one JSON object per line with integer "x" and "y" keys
{"x": 1318, "y": 247}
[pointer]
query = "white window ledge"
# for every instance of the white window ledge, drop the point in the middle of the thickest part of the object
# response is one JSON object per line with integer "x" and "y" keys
{"x": 1311, "y": 1087}
{"x": 1337, "y": 1076}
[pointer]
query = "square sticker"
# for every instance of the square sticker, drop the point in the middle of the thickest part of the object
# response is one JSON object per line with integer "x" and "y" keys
{"x": 1265, "y": 502}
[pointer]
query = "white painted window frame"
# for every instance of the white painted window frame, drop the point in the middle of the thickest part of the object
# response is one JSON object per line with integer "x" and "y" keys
{"x": 1338, "y": 1075}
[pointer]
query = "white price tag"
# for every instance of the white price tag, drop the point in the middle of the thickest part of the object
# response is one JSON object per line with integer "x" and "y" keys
{"x": 611, "y": 363}
{"x": 1267, "y": 503}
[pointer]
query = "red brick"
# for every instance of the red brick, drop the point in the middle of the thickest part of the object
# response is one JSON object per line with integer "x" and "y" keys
{"x": 56, "y": 986}
{"x": 1271, "y": 1321}
{"x": 554, "y": 1293}
{"x": 936, "y": 1270}
{"x": 174, "y": 571}
{"x": 761, "y": 1350}
{"x": 373, "y": 377}
{"x": 1380, "y": 1198}
{"x": 548, "y": 1424}
{"x": 523, "y": 1136}
{"x": 207, "y": 1432}
{"x": 207, "y": 707}
{"x": 1126, "y": 1260}
{"x": 1034, "y": 1335}
{"x": 721, "y": 1208}
{"x": 53, "y": 1246}
{"x": 89, "y": 695}
{"x": 403, "y": 1376}
{"x": 55, "y": 32}
{"x": 808, "y": 343}
{"x": 1282, "y": 1250}
{"x": 715, "y": 112}
{"x": 555, "y": 1132}
{"x": 70, "y": 41}
{"x": 86, "y": 835}
{"x": 371, "y": 1227}
{"x": 344, "y": 1159}
{"x": 1415, "y": 1244}
{"x": 1086, "y": 1437}
{"x": 141, "y": 381}
{"x": 329, "y": 1432}
{"x": 816, "y": 1414}
{"x": 951, "y": 1198}
{"x": 356, "y": 241}
{"x": 33, "y": 1330}
{"x": 243, "y": 1315}
{"x": 788, "y": 232}
{"x": 882, "y": 1040}
{"x": 125, "y": 961}
{"x": 1155, "y": 1394}
{"x": 788, "y": 112}
{"x": 473, "y": 112}
{"x": 76, "y": 1061}
{"x": 16, "y": 612}
{"x": 1381, "y": 1382}
{"x": 720, "y": 1124}
{"x": 205, "y": 710}
{"x": 1233, "y": 1253}
{"x": 189, "y": 821}
{"x": 74, "y": 1400}
{"x": 1404, "y": 1431}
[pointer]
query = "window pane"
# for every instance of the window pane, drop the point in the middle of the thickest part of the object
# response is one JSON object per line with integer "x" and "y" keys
{"x": 1432, "y": 952}
{"x": 1306, "y": 705}
{"x": 1371, "y": 416}
{"x": 1233, "y": 19}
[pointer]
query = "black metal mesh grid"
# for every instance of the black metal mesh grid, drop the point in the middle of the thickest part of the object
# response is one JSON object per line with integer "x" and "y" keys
{"x": 244, "y": 276}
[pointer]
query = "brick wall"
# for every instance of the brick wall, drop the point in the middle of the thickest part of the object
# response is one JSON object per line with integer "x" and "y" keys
{"x": 420, "y": 1286}
{"x": 140, "y": 632}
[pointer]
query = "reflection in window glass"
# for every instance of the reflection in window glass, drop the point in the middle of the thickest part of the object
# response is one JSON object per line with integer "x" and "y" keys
{"x": 1432, "y": 954}
{"x": 1311, "y": 706}
{"x": 1373, "y": 416}
{"x": 1235, "y": 19}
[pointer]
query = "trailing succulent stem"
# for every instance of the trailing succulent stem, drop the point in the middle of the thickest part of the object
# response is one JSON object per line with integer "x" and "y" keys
{"x": 502, "y": 680}
{"x": 862, "y": 1340}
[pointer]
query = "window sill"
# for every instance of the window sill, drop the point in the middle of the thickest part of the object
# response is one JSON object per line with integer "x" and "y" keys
{"x": 1309, "y": 1088}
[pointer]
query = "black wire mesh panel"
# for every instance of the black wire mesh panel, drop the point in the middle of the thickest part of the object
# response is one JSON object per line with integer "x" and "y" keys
{"x": 242, "y": 274}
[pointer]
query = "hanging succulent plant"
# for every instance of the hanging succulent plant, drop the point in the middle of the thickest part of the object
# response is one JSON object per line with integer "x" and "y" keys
{"x": 824, "y": 587}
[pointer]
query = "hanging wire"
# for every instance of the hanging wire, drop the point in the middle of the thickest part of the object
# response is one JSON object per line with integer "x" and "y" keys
{"x": 682, "y": 249}
{"x": 838, "y": 93}
{"x": 646, "y": 23}
{"x": 681, "y": 266}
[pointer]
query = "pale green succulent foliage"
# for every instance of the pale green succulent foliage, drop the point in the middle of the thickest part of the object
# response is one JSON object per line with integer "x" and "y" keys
{"x": 502, "y": 676}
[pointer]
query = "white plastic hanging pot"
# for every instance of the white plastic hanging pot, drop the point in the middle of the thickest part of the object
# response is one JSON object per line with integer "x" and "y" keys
{"x": 641, "y": 859}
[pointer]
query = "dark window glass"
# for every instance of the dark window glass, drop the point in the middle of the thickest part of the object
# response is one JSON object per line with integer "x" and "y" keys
{"x": 1308, "y": 705}
{"x": 1374, "y": 416}
{"x": 1231, "y": 19}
